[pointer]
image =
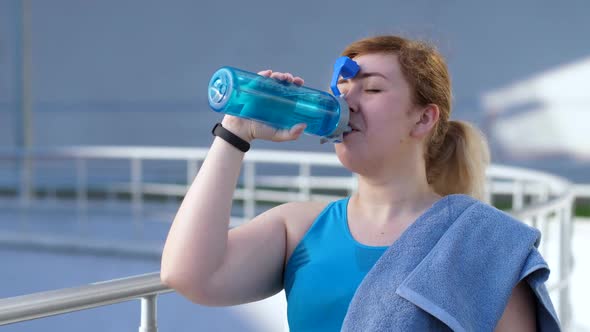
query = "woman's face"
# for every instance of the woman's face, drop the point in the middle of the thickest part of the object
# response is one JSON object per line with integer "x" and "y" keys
{"x": 382, "y": 114}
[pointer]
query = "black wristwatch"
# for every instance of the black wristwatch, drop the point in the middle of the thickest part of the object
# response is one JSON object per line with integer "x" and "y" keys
{"x": 230, "y": 137}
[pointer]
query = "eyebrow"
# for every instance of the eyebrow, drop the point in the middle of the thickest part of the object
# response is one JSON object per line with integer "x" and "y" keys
{"x": 363, "y": 75}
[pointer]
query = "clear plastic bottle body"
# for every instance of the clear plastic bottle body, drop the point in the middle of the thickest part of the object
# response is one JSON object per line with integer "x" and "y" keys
{"x": 277, "y": 104}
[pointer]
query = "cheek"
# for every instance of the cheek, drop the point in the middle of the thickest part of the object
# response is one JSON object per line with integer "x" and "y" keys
{"x": 392, "y": 125}
{"x": 385, "y": 115}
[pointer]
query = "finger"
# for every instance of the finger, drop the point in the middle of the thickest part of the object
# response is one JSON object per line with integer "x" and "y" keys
{"x": 265, "y": 73}
{"x": 297, "y": 129}
{"x": 298, "y": 80}
{"x": 289, "y": 77}
{"x": 278, "y": 76}
{"x": 289, "y": 134}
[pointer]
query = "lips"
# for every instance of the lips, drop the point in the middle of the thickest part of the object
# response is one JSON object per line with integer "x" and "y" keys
{"x": 354, "y": 127}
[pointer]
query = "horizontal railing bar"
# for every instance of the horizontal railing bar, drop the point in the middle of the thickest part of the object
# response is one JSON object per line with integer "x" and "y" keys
{"x": 263, "y": 156}
{"x": 343, "y": 183}
{"x": 43, "y": 304}
{"x": 543, "y": 208}
{"x": 555, "y": 183}
{"x": 266, "y": 156}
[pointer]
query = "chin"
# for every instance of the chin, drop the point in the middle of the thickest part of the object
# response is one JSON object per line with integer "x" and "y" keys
{"x": 351, "y": 160}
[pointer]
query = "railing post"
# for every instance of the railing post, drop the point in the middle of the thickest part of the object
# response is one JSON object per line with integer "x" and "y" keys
{"x": 249, "y": 190}
{"x": 304, "y": 181}
{"x": 488, "y": 190}
{"x": 192, "y": 167}
{"x": 26, "y": 178}
{"x": 354, "y": 184}
{"x": 148, "y": 314}
{"x": 565, "y": 257}
{"x": 542, "y": 222}
{"x": 517, "y": 195}
{"x": 136, "y": 193}
{"x": 82, "y": 190}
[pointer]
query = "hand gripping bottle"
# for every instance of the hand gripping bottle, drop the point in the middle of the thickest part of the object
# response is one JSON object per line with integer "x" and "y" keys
{"x": 281, "y": 104}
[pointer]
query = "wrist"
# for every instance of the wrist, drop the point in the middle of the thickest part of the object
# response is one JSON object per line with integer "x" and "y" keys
{"x": 238, "y": 127}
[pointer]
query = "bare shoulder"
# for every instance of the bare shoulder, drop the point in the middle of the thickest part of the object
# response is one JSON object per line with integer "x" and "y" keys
{"x": 298, "y": 217}
{"x": 295, "y": 213}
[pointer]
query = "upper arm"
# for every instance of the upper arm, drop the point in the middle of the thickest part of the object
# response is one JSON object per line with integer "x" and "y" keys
{"x": 520, "y": 312}
{"x": 255, "y": 256}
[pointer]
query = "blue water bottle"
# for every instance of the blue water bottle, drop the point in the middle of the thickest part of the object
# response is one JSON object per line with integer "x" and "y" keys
{"x": 281, "y": 104}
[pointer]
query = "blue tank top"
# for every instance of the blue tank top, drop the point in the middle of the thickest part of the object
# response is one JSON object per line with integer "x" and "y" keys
{"x": 324, "y": 272}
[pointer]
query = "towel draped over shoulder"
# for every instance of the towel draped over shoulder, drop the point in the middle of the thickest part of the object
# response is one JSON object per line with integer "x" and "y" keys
{"x": 454, "y": 269}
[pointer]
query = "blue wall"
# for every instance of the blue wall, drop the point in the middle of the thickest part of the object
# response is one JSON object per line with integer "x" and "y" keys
{"x": 139, "y": 69}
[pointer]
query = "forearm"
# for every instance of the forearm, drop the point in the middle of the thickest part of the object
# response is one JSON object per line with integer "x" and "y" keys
{"x": 197, "y": 240}
{"x": 196, "y": 249}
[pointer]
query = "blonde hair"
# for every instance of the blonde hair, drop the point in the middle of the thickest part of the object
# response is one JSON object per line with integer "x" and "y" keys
{"x": 456, "y": 153}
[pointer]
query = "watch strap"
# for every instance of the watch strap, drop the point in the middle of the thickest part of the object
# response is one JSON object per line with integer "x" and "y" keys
{"x": 230, "y": 137}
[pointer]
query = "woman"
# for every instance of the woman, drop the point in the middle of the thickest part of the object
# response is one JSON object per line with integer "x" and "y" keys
{"x": 409, "y": 156}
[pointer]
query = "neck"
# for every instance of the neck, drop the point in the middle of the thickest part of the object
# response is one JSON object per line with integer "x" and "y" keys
{"x": 384, "y": 199}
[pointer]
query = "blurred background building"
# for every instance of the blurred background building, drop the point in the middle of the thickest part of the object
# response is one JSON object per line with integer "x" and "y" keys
{"x": 121, "y": 73}
{"x": 135, "y": 72}
{"x": 544, "y": 117}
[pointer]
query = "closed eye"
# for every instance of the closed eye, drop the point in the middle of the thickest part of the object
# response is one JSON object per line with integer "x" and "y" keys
{"x": 372, "y": 90}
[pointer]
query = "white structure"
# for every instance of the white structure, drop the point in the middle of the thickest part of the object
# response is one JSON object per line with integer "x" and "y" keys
{"x": 545, "y": 115}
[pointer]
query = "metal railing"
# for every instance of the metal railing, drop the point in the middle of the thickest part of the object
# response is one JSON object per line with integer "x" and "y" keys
{"x": 534, "y": 197}
{"x": 144, "y": 287}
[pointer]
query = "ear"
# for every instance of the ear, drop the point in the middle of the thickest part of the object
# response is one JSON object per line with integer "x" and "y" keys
{"x": 428, "y": 117}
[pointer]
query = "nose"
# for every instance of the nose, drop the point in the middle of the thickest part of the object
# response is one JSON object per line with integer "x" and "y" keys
{"x": 350, "y": 101}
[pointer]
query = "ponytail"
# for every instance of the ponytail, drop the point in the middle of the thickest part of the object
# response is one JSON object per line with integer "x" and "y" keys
{"x": 456, "y": 163}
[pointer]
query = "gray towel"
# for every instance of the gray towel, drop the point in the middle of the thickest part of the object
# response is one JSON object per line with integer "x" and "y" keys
{"x": 454, "y": 269}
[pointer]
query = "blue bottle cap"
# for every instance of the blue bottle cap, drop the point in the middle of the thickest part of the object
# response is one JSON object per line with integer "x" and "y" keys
{"x": 220, "y": 89}
{"x": 345, "y": 67}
